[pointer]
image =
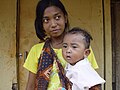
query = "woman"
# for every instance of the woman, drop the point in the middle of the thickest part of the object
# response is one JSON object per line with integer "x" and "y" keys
{"x": 45, "y": 62}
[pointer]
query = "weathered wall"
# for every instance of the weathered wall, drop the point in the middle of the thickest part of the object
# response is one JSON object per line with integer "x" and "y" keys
{"x": 7, "y": 43}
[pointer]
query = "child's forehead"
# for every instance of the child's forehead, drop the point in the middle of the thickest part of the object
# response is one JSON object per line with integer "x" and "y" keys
{"x": 75, "y": 36}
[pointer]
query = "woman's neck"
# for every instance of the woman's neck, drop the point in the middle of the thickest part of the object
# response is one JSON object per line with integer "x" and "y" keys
{"x": 57, "y": 42}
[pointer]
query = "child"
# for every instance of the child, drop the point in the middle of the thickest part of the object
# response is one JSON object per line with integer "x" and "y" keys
{"x": 79, "y": 71}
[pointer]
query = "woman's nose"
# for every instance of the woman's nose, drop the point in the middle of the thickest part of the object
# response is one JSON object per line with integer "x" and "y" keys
{"x": 53, "y": 23}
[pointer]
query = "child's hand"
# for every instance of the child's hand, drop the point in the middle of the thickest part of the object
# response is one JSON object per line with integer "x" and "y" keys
{"x": 61, "y": 88}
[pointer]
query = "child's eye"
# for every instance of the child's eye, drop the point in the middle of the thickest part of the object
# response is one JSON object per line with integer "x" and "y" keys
{"x": 64, "y": 46}
{"x": 74, "y": 46}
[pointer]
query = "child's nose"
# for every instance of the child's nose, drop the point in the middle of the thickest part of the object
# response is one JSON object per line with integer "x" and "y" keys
{"x": 68, "y": 50}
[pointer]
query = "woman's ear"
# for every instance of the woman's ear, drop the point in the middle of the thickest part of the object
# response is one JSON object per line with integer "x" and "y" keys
{"x": 87, "y": 52}
{"x": 66, "y": 19}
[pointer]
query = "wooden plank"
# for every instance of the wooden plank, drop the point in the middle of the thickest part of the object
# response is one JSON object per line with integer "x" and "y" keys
{"x": 108, "y": 49}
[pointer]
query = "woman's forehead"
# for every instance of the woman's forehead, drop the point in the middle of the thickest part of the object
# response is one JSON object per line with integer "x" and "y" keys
{"x": 52, "y": 10}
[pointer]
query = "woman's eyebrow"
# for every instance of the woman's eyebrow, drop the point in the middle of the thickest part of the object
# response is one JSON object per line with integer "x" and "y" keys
{"x": 45, "y": 17}
{"x": 57, "y": 14}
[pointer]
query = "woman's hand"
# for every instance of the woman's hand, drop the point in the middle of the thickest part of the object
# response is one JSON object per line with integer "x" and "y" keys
{"x": 31, "y": 81}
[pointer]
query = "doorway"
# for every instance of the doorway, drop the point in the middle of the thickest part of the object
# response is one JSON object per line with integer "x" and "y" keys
{"x": 115, "y": 23}
{"x": 91, "y": 19}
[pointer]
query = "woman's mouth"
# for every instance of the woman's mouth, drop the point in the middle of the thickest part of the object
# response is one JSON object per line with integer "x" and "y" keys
{"x": 55, "y": 31}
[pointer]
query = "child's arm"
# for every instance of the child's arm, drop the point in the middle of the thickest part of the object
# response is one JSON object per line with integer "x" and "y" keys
{"x": 96, "y": 87}
{"x": 31, "y": 81}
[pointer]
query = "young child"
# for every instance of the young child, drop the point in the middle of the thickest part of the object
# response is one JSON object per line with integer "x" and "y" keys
{"x": 79, "y": 71}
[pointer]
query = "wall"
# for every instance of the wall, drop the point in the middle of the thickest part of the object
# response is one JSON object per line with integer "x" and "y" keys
{"x": 7, "y": 44}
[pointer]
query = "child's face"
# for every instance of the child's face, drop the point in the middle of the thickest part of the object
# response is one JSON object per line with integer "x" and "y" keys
{"x": 73, "y": 48}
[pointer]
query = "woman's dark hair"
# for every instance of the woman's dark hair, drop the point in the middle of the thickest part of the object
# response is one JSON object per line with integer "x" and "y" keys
{"x": 41, "y": 6}
{"x": 84, "y": 33}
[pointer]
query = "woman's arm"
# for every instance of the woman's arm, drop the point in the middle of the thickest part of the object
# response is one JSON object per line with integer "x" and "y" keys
{"x": 96, "y": 87}
{"x": 31, "y": 81}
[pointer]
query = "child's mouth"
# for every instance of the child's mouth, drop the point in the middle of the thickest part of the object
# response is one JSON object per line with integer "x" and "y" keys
{"x": 68, "y": 57}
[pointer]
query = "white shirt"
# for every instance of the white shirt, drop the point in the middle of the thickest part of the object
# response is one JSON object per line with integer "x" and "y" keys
{"x": 82, "y": 75}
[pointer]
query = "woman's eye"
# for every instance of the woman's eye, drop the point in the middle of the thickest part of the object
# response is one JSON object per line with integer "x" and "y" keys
{"x": 57, "y": 17}
{"x": 45, "y": 20}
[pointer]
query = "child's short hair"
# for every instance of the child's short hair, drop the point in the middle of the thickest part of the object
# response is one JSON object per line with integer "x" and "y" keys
{"x": 84, "y": 33}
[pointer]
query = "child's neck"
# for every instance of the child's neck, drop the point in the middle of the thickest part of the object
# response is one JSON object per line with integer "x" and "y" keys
{"x": 76, "y": 61}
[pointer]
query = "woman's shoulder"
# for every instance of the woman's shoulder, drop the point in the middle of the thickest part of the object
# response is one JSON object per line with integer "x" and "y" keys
{"x": 36, "y": 50}
{"x": 38, "y": 46}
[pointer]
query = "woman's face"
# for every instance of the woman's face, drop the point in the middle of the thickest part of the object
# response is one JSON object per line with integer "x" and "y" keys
{"x": 54, "y": 21}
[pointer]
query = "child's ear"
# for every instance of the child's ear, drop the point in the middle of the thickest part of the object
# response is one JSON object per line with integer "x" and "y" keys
{"x": 87, "y": 52}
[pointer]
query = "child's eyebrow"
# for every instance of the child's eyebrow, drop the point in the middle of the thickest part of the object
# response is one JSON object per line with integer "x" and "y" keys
{"x": 74, "y": 44}
{"x": 64, "y": 43}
